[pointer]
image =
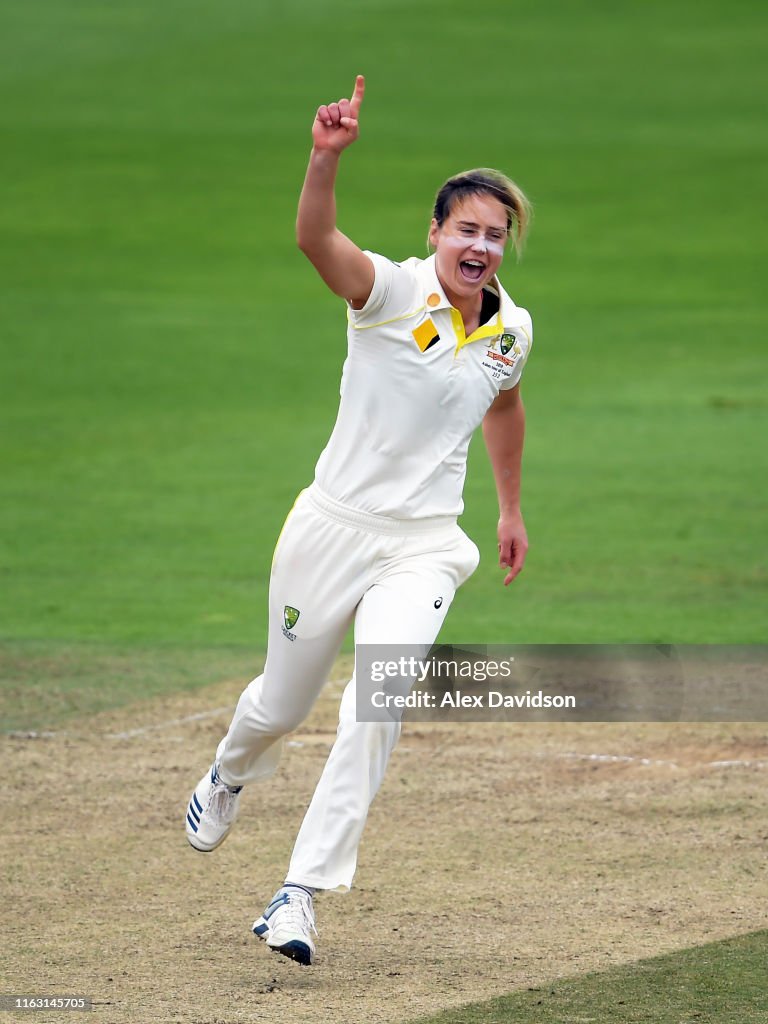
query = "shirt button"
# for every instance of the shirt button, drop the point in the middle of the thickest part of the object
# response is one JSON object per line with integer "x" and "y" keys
{"x": 433, "y": 300}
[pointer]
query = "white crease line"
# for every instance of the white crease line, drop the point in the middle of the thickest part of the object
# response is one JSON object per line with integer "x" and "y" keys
{"x": 202, "y": 715}
{"x": 21, "y": 734}
{"x": 130, "y": 733}
{"x": 616, "y": 759}
{"x": 737, "y": 764}
{"x": 625, "y": 759}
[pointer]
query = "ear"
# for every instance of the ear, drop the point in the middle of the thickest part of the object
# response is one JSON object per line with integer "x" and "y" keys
{"x": 434, "y": 233}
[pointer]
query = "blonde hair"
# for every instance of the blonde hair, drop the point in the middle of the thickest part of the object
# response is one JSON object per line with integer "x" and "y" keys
{"x": 487, "y": 181}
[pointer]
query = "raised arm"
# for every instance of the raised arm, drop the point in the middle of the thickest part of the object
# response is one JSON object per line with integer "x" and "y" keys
{"x": 342, "y": 265}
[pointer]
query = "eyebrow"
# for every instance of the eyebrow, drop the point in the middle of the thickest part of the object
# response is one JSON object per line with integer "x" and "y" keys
{"x": 474, "y": 224}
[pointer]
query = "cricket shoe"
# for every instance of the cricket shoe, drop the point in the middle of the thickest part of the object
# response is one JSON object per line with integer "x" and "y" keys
{"x": 212, "y": 811}
{"x": 287, "y": 923}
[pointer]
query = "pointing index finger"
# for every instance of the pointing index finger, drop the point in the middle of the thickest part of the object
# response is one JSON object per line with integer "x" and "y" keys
{"x": 357, "y": 96}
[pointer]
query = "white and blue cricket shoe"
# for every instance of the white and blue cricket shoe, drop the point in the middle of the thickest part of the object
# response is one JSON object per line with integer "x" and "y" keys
{"x": 211, "y": 811}
{"x": 287, "y": 923}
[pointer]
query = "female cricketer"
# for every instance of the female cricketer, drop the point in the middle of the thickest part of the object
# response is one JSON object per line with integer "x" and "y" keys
{"x": 436, "y": 347}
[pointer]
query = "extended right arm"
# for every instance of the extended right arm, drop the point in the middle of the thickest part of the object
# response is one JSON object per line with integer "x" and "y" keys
{"x": 343, "y": 266}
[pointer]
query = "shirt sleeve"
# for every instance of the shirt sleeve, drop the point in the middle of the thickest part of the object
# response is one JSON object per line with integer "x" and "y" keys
{"x": 524, "y": 334}
{"x": 392, "y": 294}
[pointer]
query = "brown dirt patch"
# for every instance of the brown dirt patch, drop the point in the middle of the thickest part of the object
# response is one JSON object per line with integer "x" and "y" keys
{"x": 496, "y": 857}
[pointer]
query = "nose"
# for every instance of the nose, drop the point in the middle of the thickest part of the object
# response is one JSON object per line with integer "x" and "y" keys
{"x": 478, "y": 244}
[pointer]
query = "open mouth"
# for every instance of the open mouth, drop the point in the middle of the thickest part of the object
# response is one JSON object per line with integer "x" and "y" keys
{"x": 472, "y": 270}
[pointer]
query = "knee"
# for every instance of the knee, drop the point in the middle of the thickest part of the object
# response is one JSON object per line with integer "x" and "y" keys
{"x": 275, "y": 709}
{"x": 285, "y": 720}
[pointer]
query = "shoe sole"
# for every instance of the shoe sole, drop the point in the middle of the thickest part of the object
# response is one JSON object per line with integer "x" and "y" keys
{"x": 294, "y": 950}
{"x": 206, "y": 849}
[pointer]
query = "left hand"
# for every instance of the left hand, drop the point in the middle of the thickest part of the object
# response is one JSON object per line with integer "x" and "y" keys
{"x": 513, "y": 544}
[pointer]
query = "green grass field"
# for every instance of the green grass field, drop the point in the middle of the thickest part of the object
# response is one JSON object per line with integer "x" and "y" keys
{"x": 720, "y": 983}
{"x": 170, "y": 363}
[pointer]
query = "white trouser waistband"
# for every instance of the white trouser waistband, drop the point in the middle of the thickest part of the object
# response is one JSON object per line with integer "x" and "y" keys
{"x": 371, "y": 522}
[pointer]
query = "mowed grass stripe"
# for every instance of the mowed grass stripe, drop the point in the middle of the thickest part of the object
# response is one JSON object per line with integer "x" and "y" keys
{"x": 720, "y": 983}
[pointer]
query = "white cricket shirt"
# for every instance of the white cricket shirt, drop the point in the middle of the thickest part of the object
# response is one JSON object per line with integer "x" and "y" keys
{"x": 413, "y": 390}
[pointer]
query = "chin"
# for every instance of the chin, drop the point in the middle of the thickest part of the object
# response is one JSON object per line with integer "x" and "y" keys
{"x": 462, "y": 284}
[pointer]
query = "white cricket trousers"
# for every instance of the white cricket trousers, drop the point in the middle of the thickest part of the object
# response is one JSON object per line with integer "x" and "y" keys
{"x": 395, "y": 579}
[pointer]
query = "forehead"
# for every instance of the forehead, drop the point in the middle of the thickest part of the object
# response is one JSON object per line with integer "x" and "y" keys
{"x": 482, "y": 209}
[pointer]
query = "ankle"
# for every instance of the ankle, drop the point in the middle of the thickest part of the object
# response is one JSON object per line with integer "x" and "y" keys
{"x": 220, "y": 778}
{"x": 310, "y": 890}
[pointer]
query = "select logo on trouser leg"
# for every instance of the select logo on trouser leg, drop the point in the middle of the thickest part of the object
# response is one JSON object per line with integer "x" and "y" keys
{"x": 290, "y": 618}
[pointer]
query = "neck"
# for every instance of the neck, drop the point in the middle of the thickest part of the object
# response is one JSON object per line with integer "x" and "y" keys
{"x": 469, "y": 306}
